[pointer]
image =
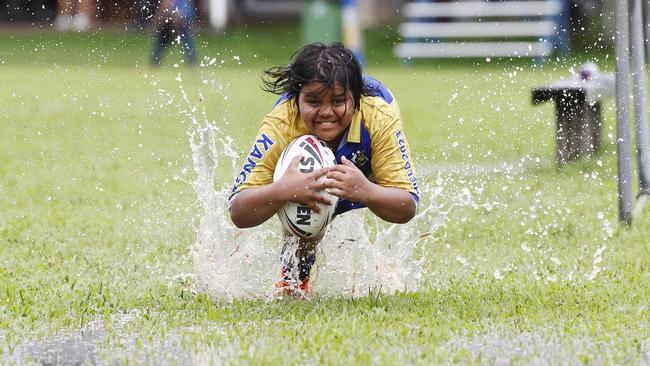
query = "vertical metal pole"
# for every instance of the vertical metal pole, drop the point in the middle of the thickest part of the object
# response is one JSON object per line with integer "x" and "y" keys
{"x": 646, "y": 28}
{"x": 564, "y": 24}
{"x": 623, "y": 145}
{"x": 640, "y": 97}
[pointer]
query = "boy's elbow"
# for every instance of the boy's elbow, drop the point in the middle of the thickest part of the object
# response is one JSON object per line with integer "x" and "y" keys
{"x": 406, "y": 218}
{"x": 241, "y": 222}
{"x": 408, "y": 214}
{"x": 239, "y": 219}
{"x": 400, "y": 216}
{"x": 238, "y": 222}
{"x": 236, "y": 216}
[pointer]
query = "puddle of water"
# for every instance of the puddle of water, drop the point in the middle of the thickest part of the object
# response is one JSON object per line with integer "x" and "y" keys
{"x": 359, "y": 255}
{"x": 95, "y": 344}
{"x": 547, "y": 347}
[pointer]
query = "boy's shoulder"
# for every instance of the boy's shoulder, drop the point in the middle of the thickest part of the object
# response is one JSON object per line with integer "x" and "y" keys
{"x": 377, "y": 114}
{"x": 375, "y": 88}
{"x": 283, "y": 112}
{"x": 378, "y": 103}
{"x": 284, "y": 121}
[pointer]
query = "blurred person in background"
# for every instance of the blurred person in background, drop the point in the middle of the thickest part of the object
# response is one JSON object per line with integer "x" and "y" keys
{"x": 144, "y": 11}
{"x": 74, "y": 14}
{"x": 173, "y": 22}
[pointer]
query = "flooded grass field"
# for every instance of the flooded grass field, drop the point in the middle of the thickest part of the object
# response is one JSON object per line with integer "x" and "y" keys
{"x": 115, "y": 246}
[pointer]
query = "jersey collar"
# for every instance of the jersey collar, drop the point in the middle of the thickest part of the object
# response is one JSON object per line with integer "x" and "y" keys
{"x": 354, "y": 130}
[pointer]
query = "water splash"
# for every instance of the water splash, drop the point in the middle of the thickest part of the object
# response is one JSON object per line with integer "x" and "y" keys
{"x": 229, "y": 262}
{"x": 234, "y": 263}
{"x": 596, "y": 263}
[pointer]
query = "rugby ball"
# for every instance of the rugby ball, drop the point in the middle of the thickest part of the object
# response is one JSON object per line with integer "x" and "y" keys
{"x": 296, "y": 218}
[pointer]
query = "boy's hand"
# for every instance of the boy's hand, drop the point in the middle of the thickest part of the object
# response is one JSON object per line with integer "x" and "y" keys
{"x": 345, "y": 180}
{"x": 302, "y": 188}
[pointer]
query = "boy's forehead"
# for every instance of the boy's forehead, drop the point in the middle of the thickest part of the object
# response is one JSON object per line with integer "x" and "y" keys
{"x": 317, "y": 88}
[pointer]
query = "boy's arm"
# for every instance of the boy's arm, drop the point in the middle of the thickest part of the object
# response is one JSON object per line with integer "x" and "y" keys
{"x": 253, "y": 206}
{"x": 389, "y": 203}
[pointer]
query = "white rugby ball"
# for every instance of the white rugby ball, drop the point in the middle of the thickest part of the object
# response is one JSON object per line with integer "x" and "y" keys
{"x": 296, "y": 218}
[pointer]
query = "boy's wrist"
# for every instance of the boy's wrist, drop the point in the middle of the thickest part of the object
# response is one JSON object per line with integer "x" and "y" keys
{"x": 371, "y": 192}
{"x": 279, "y": 193}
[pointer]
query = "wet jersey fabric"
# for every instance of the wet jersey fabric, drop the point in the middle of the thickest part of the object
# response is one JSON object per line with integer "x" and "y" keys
{"x": 374, "y": 142}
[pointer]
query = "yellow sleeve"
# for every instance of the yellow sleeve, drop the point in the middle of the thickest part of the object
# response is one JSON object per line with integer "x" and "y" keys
{"x": 260, "y": 162}
{"x": 392, "y": 164}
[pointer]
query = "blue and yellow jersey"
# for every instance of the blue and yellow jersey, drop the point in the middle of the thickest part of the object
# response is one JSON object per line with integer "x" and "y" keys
{"x": 374, "y": 142}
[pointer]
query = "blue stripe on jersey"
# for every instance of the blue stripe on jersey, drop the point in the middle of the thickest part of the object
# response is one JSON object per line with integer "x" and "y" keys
{"x": 282, "y": 98}
{"x": 359, "y": 154}
{"x": 375, "y": 88}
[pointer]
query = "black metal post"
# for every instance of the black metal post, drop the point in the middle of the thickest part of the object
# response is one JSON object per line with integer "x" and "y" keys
{"x": 640, "y": 97}
{"x": 623, "y": 146}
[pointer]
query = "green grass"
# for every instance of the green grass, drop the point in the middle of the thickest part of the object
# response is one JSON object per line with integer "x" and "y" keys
{"x": 94, "y": 225}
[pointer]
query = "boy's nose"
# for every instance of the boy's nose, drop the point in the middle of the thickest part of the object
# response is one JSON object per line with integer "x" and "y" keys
{"x": 326, "y": 110}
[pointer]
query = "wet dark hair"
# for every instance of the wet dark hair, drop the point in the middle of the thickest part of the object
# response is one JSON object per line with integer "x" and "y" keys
{"x": 317, "y": 62}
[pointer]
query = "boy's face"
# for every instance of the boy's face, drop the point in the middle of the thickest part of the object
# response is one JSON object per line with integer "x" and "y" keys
{"x": 327, "y": 112}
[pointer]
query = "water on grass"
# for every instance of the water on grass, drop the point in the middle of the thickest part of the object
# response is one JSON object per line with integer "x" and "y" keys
{"x": 115, "y": 343}
{"x": 358, "y": 254}
{"x": 108, "y": 343}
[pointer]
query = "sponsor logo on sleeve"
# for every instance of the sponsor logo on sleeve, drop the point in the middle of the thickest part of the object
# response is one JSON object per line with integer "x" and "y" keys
{"x": 401, "y": 142}
{"x": 261, "y": 146}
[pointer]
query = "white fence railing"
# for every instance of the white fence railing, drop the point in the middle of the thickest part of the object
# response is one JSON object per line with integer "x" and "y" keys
{"x": 507, "y": 28}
